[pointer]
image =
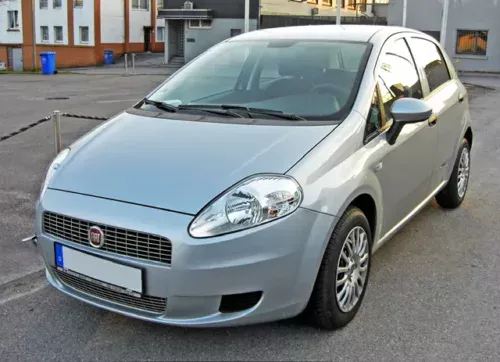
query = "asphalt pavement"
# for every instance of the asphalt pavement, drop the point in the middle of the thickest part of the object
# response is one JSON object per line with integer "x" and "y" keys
{"x": 434, "y": 291}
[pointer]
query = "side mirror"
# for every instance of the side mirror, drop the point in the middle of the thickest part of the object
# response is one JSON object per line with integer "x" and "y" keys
{"x": 406, "y": 111}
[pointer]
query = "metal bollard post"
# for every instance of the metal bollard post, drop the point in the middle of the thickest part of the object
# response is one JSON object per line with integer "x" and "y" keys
{"x": 126, "y": 63}
{"x": 133, "y": 63}
{"x": 57, "y": 131}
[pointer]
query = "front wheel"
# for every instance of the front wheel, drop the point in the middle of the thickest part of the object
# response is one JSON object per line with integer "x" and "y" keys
{"x": 453, "y": 194}
{"x": 344, "y": 271}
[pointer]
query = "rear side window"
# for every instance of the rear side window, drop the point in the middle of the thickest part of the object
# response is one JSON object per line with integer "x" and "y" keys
{"x": 398, "y": 76}
{"x": 428, "y": 55}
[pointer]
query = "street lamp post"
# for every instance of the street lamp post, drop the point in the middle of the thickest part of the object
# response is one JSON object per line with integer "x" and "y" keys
{"x": 339, "y": 13}
{"x": 247, "y": 16}
{"x": 444, "y": 24}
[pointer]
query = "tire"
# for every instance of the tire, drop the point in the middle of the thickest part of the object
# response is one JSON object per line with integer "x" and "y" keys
{"x": 325, "y": 308}
{"x": 452, "y": 195}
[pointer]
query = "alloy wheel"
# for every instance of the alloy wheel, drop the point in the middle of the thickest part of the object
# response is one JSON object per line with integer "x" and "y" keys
{"x": 352, "y": 269}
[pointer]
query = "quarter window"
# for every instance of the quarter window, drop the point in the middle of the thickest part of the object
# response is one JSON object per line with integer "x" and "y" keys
{"x": 398, "y": 76}
{"x": 430, "y": 58}
{"x": 473, "y": 42}
{"x": 374, "y": 122}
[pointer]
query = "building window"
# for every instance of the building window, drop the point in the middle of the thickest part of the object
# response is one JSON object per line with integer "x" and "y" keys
{"x": 58, "y": 34}
{"x": 140, "y": 4}
{"x": 84, "y": 34}
{"x": 200, "y": 23}
{"x": 235, "y": 32}
{"x": 57, "y": 4}
{"x": 13, "y": 18}
{"x": 473, "y": 42}
{"x": 160, "y": 33}
{"x": 44, "y": 4}
{"x": 78, "y": 3}
{"x": 44, "y": 33}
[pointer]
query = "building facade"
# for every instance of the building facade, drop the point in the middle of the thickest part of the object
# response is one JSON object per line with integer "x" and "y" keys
{"x": 472, "y": 34}
{"x": 191, "y": 27}
{"x": 79, "y": 31}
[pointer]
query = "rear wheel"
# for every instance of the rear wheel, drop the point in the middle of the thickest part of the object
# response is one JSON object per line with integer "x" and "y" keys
{"x": 453, "y": 194}
{"x": 344, "y": 271}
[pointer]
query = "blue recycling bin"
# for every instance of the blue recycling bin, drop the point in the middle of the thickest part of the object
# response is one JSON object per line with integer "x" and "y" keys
{"x": 48, "y": 60}
{"x": 109, "y": 57}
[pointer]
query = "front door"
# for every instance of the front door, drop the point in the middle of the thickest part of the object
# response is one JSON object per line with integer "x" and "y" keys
{"x": 404, "y": 169}
{"x": 147, "y": 38}
{"x": 17, "y": 59}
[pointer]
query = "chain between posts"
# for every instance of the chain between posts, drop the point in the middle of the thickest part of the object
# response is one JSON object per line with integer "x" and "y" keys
{"x": 25, "y": 128}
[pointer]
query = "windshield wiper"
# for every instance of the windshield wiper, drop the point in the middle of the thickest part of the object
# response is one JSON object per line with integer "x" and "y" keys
{"x": 203, "y": 108}
{"x": 160, "y": 105}
{"x": 250, "y": 110}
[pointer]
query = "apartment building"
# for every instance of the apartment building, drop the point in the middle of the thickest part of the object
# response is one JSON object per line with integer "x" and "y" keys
{"x": 77, "y": 30}
{"x": 472, "y": 33}
{"x": 11, "y": 34}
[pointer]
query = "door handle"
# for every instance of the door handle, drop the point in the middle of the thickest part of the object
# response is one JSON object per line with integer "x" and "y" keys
{"x": 461, "y": 97}
{"x": 433, "y": 120}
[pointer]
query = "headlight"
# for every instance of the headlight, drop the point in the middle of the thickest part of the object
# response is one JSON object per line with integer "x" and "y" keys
{"x": 253, "y": 201}
{"x": 53, "y": 168}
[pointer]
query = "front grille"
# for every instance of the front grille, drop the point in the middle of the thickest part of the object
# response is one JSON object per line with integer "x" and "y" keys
{"x": 119, "y": 241}
{"x": 145, "y": 303}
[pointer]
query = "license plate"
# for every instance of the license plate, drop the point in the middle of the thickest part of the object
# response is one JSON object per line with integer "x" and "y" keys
{"x": 106, "y": 273}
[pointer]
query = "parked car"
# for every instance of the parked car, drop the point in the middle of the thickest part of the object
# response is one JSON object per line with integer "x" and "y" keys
{"x": 256, "y": 183}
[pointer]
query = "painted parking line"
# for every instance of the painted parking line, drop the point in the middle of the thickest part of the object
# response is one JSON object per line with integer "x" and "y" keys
{"x": 119, "y": 100}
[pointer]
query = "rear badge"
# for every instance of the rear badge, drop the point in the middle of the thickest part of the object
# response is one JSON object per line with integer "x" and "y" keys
{"x": 96, "y": 237}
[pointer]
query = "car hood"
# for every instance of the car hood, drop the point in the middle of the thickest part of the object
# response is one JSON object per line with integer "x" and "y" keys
{"x": 179, "y": 165}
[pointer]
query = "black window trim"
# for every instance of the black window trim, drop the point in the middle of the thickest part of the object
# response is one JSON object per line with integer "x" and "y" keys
{"x": 385, "y": 124}
{"x": 420, "y": 66}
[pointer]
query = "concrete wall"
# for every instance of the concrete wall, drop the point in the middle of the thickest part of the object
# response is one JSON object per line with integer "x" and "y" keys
{"x": 6, "y": 36}
{"x": 206, "y": 38}
{"x": 84, "y": 16}
{"x": 426, "y": 15}
{"x": 112, "y": 21}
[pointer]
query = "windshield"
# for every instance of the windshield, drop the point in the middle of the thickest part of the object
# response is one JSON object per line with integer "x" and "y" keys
{"x": 311, "y": 79}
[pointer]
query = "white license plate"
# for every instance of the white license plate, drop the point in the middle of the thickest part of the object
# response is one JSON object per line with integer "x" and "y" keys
{"x": 122, "y": 276}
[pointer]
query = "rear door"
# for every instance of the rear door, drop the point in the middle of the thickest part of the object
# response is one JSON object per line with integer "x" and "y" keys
{"x": 404, "y": 169}
{"x": 447, "y": 97}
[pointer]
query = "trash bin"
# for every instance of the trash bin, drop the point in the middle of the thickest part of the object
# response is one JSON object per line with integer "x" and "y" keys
{"x": 48, "y": 60}
{"x": 109, "y": 57}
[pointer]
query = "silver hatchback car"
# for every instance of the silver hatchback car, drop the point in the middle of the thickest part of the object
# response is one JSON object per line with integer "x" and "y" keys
{"x": 255, "y": 183}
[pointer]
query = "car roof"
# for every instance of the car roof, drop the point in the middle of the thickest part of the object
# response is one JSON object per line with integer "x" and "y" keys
{"x": 360, "y": 33}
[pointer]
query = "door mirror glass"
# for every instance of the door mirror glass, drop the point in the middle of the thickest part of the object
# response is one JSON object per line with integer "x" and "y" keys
{"x": 405, "y": 111}
{"x": 410, "y": 110}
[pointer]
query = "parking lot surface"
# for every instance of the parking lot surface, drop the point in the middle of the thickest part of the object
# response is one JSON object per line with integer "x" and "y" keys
{"x": 434, "y": 291}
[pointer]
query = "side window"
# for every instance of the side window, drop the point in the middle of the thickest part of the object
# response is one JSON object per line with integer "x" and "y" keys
{"x": 374, "y": 121}
{"x": 428, "y": 55}
{"x": 398, "y": 76}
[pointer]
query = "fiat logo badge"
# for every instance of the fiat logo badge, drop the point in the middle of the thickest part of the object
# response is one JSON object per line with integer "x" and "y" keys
{"x": 96, "y": 237}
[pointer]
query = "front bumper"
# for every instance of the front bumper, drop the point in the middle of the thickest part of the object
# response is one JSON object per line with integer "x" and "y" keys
{"x": 279, "y": 259}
